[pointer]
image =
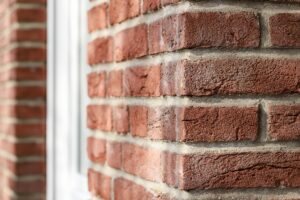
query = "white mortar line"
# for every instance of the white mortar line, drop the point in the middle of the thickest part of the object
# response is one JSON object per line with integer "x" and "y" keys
{"x": 214, "y": 101}
{"x": 197, "y": 54}
{"x": 200, "y": 148}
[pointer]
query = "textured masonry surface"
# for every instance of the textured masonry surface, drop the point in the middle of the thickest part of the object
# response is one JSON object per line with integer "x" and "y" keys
{"x": 194, "y": 99}
{"x": 22, "y": 99}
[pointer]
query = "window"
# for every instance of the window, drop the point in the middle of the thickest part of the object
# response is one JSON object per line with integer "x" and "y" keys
{"x": 66, "y": 134}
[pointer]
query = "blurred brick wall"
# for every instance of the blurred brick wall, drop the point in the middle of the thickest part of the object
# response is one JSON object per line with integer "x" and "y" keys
{"x": 22, "y": 99}
{"x": 194, "y": 99}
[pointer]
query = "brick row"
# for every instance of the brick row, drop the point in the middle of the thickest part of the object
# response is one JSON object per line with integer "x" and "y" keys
{"x": 233, "y": 75}
{"x": 204, "y": 29}
{"x": 206, "y": 171}
{"x": 196, "y": 124}
{"x": 20, "y": 168}
{"x": 100, "y": 185}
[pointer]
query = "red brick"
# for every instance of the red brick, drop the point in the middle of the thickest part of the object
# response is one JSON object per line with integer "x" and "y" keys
{"x": 27, "y": 186}
{"x": 169, "y": 38}
{"x": 208, "y": 29}
{"x": 212, "y": 124}
{"x": 284, "y": 122}
{"x": 142, "y": 81}
{"x": 27, "y": 54}
{"x": 23, "y": 74}
{"x": 147, "y": 162}
{"x": 23, "y": 130}
{"x": 167, "y": 2}
{"x": 99, "y": 117}
{"x": 162, "y": 123}
{"x": 114, "y": 154}
{"x": 23, "y": 149}
{"x": 23, "y": 92}
{"x": 96, "y": 149}
{"x": 97, "y": 17}
{"x": 35, "y": 35}
{"x": 23, "y": 111}
{"x": 121, "y": 10}
{"x": 154, "y": 35}
{"x": 99, "y": 184}
{"x": 170, "y": 83}
{"x": 138, "y": 118}
{"x": 285, "y": 30}
{"x": 219, "y": 30}
{"x": 100, "y": 51}
{"x": 97, "y": 84}
{"x": 150, "y": 5}
{"x": 29, "y": 15}
{"x": 240, "y": 76}
{"x": 28, "y": 1}
{"x": 115, "y": 83}
{"x": 131, "y": 43}
{"x": 239, "y": 170}
{"x": 31, "y": 167}
{"x": 120, "y": 119}
{"x": 128, "y": 190}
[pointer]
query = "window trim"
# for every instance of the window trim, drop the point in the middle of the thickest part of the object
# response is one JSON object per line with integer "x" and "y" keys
{"x": 66, "y": 51}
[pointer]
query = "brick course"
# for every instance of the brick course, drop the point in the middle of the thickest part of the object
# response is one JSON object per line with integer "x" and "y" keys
{"x": 195, "y": 100}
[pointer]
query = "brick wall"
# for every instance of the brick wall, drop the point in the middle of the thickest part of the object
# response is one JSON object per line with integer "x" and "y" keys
{"x": 194, "y": 99}
{"x": 22, "y": 99}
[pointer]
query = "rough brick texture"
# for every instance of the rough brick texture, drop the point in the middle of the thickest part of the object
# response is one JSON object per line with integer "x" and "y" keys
{"x": 284, "y": 122}
{"x": 193, "y": 100}
{"x": 23, "y": 93}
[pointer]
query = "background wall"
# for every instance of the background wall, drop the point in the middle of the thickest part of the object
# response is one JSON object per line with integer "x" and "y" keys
{"x": 194, "y": 99}
{"x": 22, "y": 99}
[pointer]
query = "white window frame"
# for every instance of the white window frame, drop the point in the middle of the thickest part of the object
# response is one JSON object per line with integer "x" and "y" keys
{"x": 66, "y": 85}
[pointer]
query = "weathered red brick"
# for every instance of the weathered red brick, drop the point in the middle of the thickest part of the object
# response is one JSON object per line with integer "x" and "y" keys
{"x": 28, "y": 54}
{"x": 154, "y": 37}
{"x": 121, "y": 119}
{"x": 96, "y": 149}
{"x": 114, "y": 154}
{"x": 99, "y": 184}
{"x": 285, "y": 30}
{"x": 97, "y": 17}
{"x": 36, "y": 35}
{"x": 218, "y": 29}
{"x": 284, "y": 122}
{"x": 138, "y": 119}
{"x": 115, "y": 83}
{"x": 23, "y": 149}
{"x": 97, "y": 84}
{"x": 23, "y": 111}
{"x": 167, "y": 2}
{"x": 205, "y": 29}
{"x": 29, "y": 15}
{"x": 162, "y": 123}
{"x": 147, "y": 162}
{"x": 150, "y": 5}
{"x": 23, "y": 74}
{"x": 212, "y": 124}
{"x": 170, "y": 82}
{"x": 121, "y": 10}
{"x": 239, "y": 170}
{"x": 131, "y": 43}
{"x": 99, "y": 117}
{"x": 240, "y": 76}
{"x": 128, "y": 190}
{"x": 23, "y": 92}
{"x": 100, "y": 51}
{"x": 142, "y": 81}
{"x": 23, "y": 130}
{"x": 27, "y": 186}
